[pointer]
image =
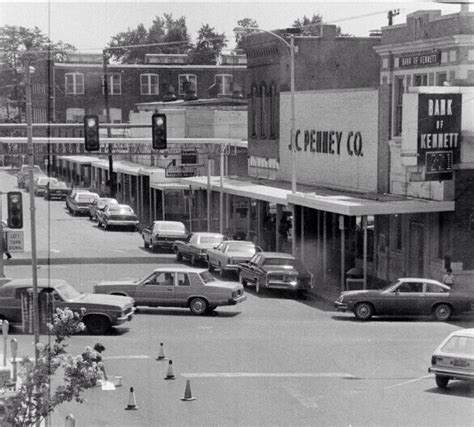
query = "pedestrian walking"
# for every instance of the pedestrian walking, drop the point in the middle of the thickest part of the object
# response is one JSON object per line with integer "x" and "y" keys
{"x": 448, "y": 278}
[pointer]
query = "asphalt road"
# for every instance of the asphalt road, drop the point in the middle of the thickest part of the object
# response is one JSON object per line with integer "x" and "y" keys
{"x": 270, "y": 361}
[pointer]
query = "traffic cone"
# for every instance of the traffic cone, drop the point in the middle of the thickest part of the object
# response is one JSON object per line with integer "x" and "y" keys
{"x": 187, "y": 392}
{"x": 132, "y": 403}
{"x": 161, "y": 353}
{"x": 170, "y": 375}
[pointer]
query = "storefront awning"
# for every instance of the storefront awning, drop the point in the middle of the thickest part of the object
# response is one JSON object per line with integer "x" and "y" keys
{"x": 352, "y": 205}
{"x": 169, "y": 186}
{"x": 81, "y": 160}
{"x": 241, "y": 188}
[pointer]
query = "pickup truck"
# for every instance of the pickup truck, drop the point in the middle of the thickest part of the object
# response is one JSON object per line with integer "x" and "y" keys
{"x": 79, "y": 200}
{"x": 195, "y": 246}
{"x": 24, "y": 173}
{"x": 163, "y": 234}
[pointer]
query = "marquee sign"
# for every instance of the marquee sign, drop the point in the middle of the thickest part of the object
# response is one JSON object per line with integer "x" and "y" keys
{"x": 439, "y": 134}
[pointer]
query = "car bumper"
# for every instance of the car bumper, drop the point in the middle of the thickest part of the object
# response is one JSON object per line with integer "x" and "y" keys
{"x": 122, "y": 223}
{"x": 125, "y": 318}
{"x": 340, "y": 306}
{"x": 234, "y": 301}
{"x": 452, "y": 373}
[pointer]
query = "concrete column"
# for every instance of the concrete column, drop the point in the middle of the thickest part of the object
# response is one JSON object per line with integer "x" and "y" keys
{"x": 343, "y": 247}
{"x": 249, "y": 217}
{"x": 259, "y": 222}
{"x": 277, "y": 225}
{"x": 302, "y": 233}
{"x": 364, "y": 226}
{"x": 163, "y": 213}
{"x": 325, "y": 267}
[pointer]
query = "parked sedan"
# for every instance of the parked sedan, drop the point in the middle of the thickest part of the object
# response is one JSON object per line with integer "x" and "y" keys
{"x": 79, "y": 200}
{"x": 56, "y": 191}
{"x": 407, "y": 296}
{"x": 454, "y": 358}
{"x": 41, "y": 183}
{"x": 163, "y": 234}
{"x": 99, "y": 205}
{"x": 229, "y": 254}
{"x": 276, "y": 270}
{"x": 102, "y": 311}
{"x": 117, "y": 216}
{"x": 177, "y": 286}
{"x": 196, "y": 245}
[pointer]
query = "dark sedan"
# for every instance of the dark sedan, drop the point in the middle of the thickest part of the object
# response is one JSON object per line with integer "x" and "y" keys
{"x": 406, "y": 297}
{"x": 56, "y": 191}
{"x": 276, "y": 270}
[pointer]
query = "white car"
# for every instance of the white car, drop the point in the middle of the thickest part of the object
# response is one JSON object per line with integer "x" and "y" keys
{"x": 454, "y": 358}
{"x": 41, "y": 183}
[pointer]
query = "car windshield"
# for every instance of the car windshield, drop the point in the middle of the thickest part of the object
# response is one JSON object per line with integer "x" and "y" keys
{"x": 102, "y": 202}
{"x": 210, "y": 239}
{"x": 459, "y": 345}
{"x": 44, "y": 181}
{"x": 86, "y": 197}
{"x": 58, "y": 185}
{"x": 241, "y": 247}
{"x": 207, "y": 277}
{"x": 280, "y": 261}
{"x": 67, "y": 292}
{"x": 173, "y": 226}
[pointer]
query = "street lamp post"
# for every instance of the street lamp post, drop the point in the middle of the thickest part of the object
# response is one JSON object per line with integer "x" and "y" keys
{"x": 291, "y": 49}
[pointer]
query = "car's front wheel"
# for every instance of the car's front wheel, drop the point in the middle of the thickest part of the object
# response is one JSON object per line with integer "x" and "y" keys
{"x": 96, "y": 324}
{"x": 210, "y": 267}
{"x": 198, "y": 306}
{"x": 363, "y": 311}
{"x": 146, "y": 244}
{"x": 193, "y": 260}
{"x": 258, "y": 285}
{"x": 441, "y": 382}
{"x": 442, "y": 312}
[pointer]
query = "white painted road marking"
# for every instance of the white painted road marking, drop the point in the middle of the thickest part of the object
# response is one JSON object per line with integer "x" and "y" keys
{"x": 410, "y": 381}
{"x": 139, "y": 356}
{"x": 268, "y": 375}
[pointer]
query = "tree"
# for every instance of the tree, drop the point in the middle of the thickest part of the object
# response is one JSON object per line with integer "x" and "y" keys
{"x": 17, "y": 43}
{"x": 171, "y": 33}
{"x": 34, "y": 400}
{"x": 312, "y": 26}
{"x": 244, "y": 23}
{"x": 209, "y": 45}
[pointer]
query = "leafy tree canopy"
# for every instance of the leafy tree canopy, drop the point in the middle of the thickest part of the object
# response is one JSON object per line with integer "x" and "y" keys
{"x": 244, "y": 23}
{"x": 209, "y": 45}
{"x": 312, "y": 26}
{"x": 18, "y": 44}
{"x": 171, "y": 33}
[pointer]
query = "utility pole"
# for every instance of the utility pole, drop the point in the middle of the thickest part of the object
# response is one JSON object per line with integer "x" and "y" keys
{"x": 105, "y": 62}
{"x": 29, "y": 134}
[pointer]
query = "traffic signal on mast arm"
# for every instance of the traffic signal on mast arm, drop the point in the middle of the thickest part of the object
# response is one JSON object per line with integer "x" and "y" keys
{"x": 91, "y": 132}
{"x": 158, "y": 127}
{"x": 15, "y": 209}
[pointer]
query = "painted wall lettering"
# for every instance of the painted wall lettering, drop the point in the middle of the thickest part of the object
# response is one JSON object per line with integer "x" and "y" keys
{"x": 327, "y": 142}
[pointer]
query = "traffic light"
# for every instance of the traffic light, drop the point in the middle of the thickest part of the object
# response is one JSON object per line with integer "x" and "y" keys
{"x": 91, "y": 132}
{"x": 15, "y": 209}
{"x": 158, "y": 126}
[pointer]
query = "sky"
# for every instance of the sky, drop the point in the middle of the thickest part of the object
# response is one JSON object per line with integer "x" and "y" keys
{"x": 89, "y": 25}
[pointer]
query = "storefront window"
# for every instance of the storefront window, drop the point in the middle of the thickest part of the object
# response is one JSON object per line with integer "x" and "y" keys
{"x": 397, "y": 233}
{"x": 398, "y": 105}
{"x": 420, "y": 80}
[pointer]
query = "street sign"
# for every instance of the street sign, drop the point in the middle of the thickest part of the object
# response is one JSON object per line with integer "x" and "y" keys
{"x": 15, "y": 241}
{"x": 181, "y": 171}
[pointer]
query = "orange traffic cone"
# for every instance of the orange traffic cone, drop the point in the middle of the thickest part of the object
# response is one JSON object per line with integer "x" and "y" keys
{"x": 161, "y": 353}
{"x": 187, "y": 392}
{"x": 170, "y": 375}
{"x": 132, "y": 403}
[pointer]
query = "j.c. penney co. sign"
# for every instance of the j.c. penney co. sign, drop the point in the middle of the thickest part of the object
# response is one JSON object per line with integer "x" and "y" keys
{"x": 329, "y": 142}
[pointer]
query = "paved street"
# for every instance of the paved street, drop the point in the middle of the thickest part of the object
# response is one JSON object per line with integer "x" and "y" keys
{"x": 271, "y": 360}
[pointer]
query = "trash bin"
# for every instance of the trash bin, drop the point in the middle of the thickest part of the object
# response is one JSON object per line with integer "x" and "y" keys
{"x": 354, "y": 279}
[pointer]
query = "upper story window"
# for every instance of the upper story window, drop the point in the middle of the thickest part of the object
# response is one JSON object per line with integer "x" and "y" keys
{"x": 253, "y": 112}
{"x": 74, "y": 83}
{"x": 420, "y": 80}
{"x": 149, "y": 84}
{"x": 399, "y": 89}
{"x": 263, "y": 110}
{"x": 115, "y": 84}
{"x": 273, "y": 112}
{"x": 184, "y": 80}
{"x": 224, "y": 84}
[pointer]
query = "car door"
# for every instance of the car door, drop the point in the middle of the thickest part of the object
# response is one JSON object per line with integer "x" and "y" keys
{"x": 408, "y": 298}
{"x": 253, "y": 267}
{"x": 217, "y": 254}
{"x": 186, "y": 287}
{"x": 433, "y": 293}
{"x": 158, "y": 289}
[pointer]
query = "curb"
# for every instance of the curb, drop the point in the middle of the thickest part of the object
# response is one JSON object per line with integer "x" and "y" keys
{"x": 95, "y": 260}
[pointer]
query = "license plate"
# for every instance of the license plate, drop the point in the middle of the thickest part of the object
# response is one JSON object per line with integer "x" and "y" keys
{"x": 460, "y": 363}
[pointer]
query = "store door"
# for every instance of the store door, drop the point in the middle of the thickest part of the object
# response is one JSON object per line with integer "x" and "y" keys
{"x": 416, "y": 245}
